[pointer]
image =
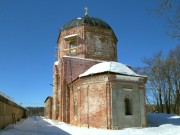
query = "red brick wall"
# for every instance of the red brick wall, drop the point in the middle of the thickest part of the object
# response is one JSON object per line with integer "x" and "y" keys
{"x": 100, "y": 43}
{"x": 63, "y": 44}
{"x": 74, "y": 67}
{"x": 92, "y": 43}
{"x": 93, "y": 99}
{"x": 70, "y": 69}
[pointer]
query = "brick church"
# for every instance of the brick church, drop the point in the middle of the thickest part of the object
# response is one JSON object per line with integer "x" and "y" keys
{"x": 90, "y": 88}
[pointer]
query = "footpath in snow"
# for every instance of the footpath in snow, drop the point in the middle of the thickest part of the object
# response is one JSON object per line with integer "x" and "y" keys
{"x": 159, "y": 124}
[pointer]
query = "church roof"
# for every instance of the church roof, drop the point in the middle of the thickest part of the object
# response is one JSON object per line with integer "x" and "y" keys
{"x": 86, "y": 20}
{"x": 113, "y": 67}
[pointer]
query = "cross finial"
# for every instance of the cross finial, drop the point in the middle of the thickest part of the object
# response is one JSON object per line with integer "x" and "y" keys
{"x": 86, "y": 11}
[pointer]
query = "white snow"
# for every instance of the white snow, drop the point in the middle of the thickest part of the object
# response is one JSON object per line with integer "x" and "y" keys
{"x": 161, "y": 124}
{"x": 114, "y": 67}
{"x": 56, "y": 63}
{"x": 85, "y": 59}
{"x": 69, "y": 36}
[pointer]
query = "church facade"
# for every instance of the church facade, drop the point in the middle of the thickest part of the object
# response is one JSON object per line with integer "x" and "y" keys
{"x": 90, "y": 88}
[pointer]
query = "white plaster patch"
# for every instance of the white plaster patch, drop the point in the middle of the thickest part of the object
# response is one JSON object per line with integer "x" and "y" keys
{"x": 95, "y": 104}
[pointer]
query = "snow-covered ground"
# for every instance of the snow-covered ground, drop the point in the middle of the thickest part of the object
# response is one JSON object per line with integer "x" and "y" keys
{"x": 159, "y": 124}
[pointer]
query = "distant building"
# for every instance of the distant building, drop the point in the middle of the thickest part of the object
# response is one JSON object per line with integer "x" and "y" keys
{"x": 90, "y": 87}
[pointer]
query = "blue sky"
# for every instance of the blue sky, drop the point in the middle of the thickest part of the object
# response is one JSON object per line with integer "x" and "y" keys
{"x": 29, "y": 31}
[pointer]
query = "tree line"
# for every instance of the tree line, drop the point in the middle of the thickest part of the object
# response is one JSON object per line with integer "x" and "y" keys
{"x": 35, "y": 111}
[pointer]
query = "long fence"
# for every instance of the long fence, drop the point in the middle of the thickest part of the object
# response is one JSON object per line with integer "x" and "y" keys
{"x": 10, "y": 112}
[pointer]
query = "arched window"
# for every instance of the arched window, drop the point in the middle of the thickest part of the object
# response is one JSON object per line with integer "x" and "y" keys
{"x": 127, "y": 107}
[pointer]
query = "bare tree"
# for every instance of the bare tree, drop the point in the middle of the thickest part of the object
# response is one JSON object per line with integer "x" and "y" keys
{"x": 164, "y": 80}
{"x": 171, "y": 10}
{"x": 174, "y": 58}
{"x": 155, "y": 78}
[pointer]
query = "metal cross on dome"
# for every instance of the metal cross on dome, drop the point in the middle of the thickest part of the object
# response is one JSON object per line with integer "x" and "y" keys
{"x": 86, "y": 11}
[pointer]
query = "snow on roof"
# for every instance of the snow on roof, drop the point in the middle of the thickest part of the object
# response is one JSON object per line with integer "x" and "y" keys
{"x": 10, "y": 99}
{"x": 86, "y": 59}
{"x": 69, "y": 36}
{"x": 114, "y": 67}
{"x": 5, "y": 96}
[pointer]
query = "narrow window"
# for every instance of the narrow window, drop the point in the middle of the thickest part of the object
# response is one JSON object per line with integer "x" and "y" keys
{"x": 127, "y": 107}
{"x": 72, "y": 47}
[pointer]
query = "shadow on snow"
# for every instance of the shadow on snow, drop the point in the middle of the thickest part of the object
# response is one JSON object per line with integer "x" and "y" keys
{"x": 34, "y": 125}
{"x": 158, "y": 119}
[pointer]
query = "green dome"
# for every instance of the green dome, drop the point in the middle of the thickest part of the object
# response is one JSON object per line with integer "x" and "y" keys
{"x": 86, "y": 20}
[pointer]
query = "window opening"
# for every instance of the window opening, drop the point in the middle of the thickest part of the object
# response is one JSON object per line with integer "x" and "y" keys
{"x": 127, "y": 107}
{"x": 72, "y": 47}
